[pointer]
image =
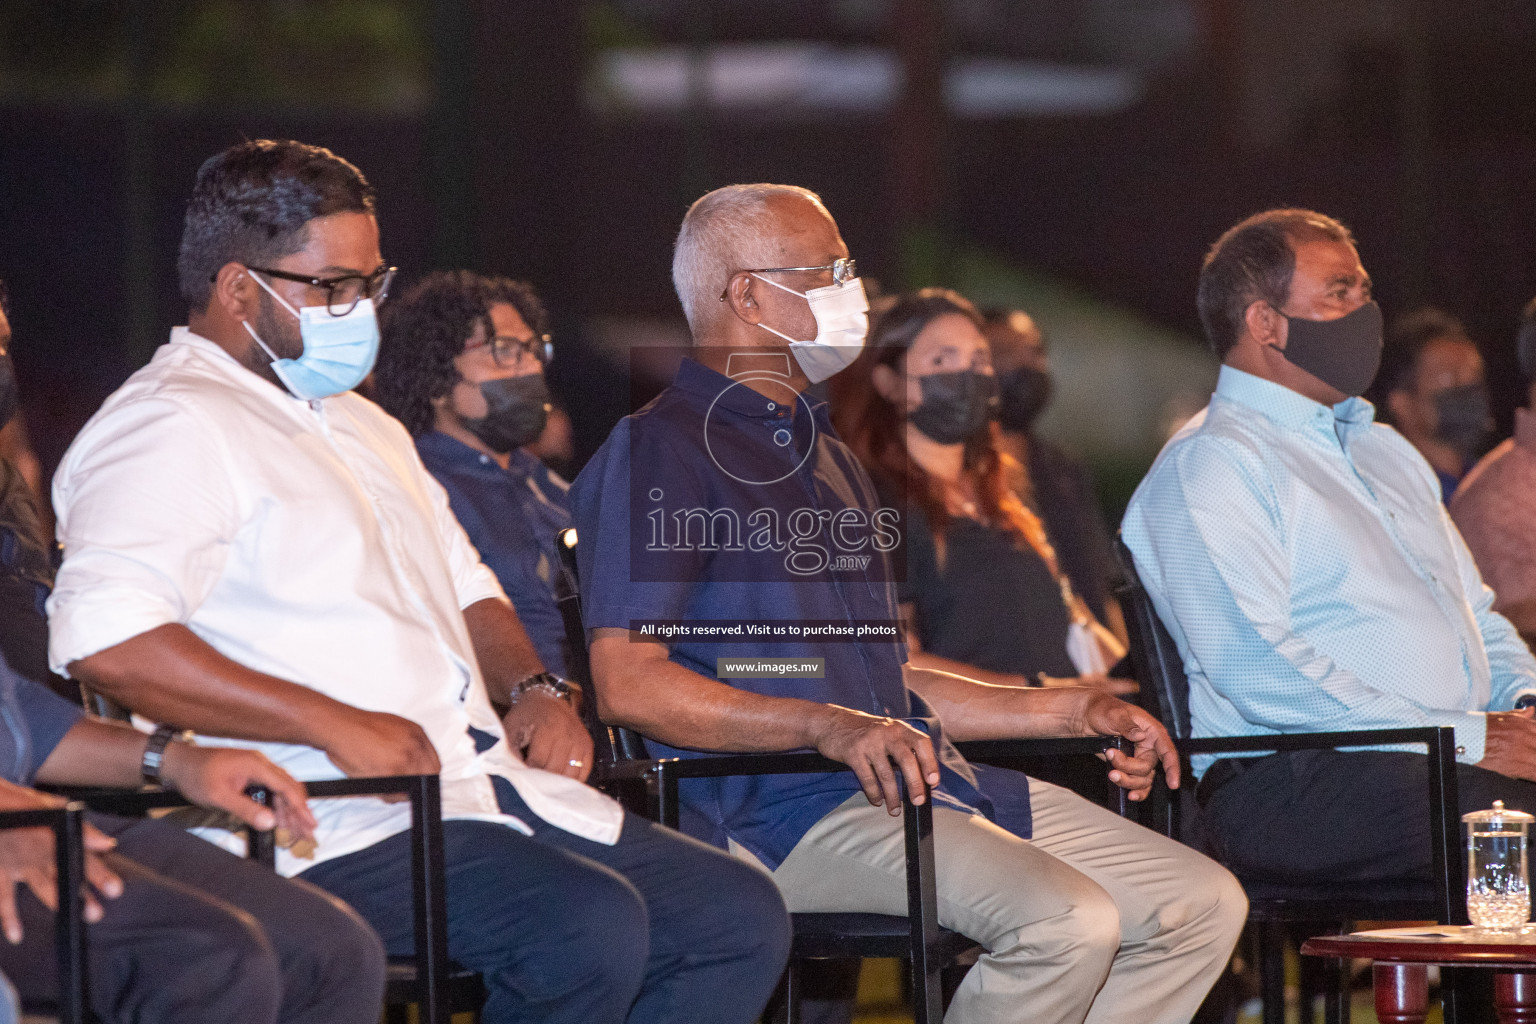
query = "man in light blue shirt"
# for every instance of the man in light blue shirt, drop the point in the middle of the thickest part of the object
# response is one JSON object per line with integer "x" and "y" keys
{"x": 1300, "y": 556}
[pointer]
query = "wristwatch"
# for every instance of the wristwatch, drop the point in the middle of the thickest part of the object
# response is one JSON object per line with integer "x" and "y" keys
{"x": 545, "y": 682}
{"x": 1526, "y": 700}
{"x": 154, "y": 751}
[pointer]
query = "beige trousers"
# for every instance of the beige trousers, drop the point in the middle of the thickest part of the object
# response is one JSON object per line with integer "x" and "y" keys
{"x": 1094, "y": 919}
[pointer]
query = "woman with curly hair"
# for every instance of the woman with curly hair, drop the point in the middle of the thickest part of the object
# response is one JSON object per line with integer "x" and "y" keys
{"x": 983, "y": 594}
{"x": 461, "y": 364}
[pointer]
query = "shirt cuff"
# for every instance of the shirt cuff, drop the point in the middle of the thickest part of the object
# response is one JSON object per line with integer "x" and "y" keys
{"x": 1471, "y": 736}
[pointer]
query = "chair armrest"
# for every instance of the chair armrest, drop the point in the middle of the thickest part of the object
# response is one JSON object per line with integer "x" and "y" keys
{"x": 1427, "y": 734}
{"x": 429, "y": 885}
{"x": 67, "y": 823}
{"x": 1444, "y": 810}
{"x": 621, "y": 771}
{"x": 1006, "y": 754}
{"x": 137, "y": 803}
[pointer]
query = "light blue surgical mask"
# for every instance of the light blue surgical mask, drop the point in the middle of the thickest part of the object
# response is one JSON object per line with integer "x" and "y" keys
{"x": 339, "y": 351}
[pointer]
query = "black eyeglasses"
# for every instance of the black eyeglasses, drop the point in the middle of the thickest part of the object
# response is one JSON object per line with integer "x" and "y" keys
{"x": 843, "y": 269}
{"x": 510, "y": 352}
{"x": 342, "y": 294}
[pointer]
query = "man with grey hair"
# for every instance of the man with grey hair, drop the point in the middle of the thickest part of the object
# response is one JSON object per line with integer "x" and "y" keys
{"x": 774, "y": 628}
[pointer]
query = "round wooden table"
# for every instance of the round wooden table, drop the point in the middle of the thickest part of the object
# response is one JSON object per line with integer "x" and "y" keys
{"x": 1402, "y": 957}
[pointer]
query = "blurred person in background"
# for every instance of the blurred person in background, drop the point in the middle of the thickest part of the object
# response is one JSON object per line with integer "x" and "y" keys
{"x": 983, "y": 594}
{"x": 26, "y": 540}
{"x": 1054, "y": 484}
{"x": 1494, "y": 505}
{"x": 461, "y": 364}
{"x": 1432, "y": 389}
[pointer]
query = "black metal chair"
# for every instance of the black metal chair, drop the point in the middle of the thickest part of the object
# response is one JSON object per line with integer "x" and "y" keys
{"x": 1274, "y": 906}
{"x": 916, "y": 938}
{"x": 428, "y": 978}
{"x": 435, "y": 984}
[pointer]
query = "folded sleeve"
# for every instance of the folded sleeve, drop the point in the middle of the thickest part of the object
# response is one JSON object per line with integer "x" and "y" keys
{"x": 147, "y": 510}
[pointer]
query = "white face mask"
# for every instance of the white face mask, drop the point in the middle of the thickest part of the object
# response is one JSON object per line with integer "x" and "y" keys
{"x": 842, "y": 322}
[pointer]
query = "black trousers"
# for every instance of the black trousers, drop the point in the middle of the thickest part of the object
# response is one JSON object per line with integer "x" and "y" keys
{"x": 654, "y": 929}
{"x": 1311, "y": 816}
{"x": 201, "y": 935}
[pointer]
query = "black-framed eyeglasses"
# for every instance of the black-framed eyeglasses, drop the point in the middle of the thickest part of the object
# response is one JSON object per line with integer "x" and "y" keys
{"x": 843, "y": 269}
{"x": 509, "y": 352}
{"x": 343, "y": 293}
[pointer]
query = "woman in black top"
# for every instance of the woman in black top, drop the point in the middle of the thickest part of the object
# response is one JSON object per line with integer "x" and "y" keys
{"x": 982, "y": 594}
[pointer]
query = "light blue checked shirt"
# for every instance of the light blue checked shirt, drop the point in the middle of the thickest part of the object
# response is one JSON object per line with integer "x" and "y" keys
{"x": 1302, "y": 560}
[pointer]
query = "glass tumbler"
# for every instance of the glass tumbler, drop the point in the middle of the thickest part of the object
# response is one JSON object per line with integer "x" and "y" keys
{"x": 1498, "y": 885}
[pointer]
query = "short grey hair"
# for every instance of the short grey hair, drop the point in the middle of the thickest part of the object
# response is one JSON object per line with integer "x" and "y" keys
{"x": 725, "y": 231}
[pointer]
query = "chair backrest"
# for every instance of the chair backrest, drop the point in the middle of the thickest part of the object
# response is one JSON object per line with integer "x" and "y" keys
{"x": 613, "y": 743}
{"x": 1159, "y": 668}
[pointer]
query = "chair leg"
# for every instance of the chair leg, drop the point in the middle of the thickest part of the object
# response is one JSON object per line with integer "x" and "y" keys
{"x": 1336, "y": 1000}
{"x": 1271, "y": 942}
{"x": 791, "y": 985}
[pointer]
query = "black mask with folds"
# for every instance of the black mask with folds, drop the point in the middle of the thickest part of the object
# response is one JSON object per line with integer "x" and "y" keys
{"x": 517, "y": 408}
{"x": 1024, "y": 393}
{"x": 9, "y": 395}
{"x": 954, "y": 405}
{"x": 1462, "y": 417}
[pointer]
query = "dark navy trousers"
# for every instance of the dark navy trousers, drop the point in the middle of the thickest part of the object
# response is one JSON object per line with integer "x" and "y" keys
{"x": 657, "y": 928}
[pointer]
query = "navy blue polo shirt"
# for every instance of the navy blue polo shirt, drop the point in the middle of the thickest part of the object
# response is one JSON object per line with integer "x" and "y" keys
{"x": 511, "y": 516}
{"x": 745, "y": 520}
{"x": 36, "y": 720}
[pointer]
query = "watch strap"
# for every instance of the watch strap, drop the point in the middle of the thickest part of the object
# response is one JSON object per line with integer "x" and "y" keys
{"x": 154, "y": 753}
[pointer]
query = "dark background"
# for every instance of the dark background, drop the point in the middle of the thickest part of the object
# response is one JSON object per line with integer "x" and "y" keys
{"x": 1410, "y": 120}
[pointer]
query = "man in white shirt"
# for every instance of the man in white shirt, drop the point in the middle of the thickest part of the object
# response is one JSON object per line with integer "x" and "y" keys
{"x": 257, "y": 554}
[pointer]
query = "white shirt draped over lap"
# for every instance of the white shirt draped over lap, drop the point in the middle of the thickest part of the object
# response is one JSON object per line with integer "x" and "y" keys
{"x": 300, "y": 539}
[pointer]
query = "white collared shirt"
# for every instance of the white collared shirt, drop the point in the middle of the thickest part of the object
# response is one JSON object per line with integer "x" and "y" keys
{"x": 304, "y": 540}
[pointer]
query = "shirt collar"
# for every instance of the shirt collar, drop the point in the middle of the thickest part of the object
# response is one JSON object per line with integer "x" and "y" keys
{"x": 187, "y": 336}
{"x": 442, "y": 447}
{"x": 719, "y": 391}
{"x": 1291, "y": 409}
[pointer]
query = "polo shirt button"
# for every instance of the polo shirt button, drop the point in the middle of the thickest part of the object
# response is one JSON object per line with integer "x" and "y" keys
{"x": 781, "y": 437}
{"x": 771, "y": 407}
{"x": 1460, "y": 751}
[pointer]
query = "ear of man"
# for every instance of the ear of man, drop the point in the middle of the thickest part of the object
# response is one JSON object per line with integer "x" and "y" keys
{"x": 1265, "y": 324}
{"x": 741, "y": 297}
{"x": 235, "y": 292}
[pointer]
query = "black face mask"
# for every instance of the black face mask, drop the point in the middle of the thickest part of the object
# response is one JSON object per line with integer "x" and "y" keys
{"x": 1462, "y": 418}
{"x": 1344, "y": 353}
{"x": 954, "y": 405}
{"x": 517, "y": 409}
{"x": 9, "y": 397}
{"x": 1025, "y": 393}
